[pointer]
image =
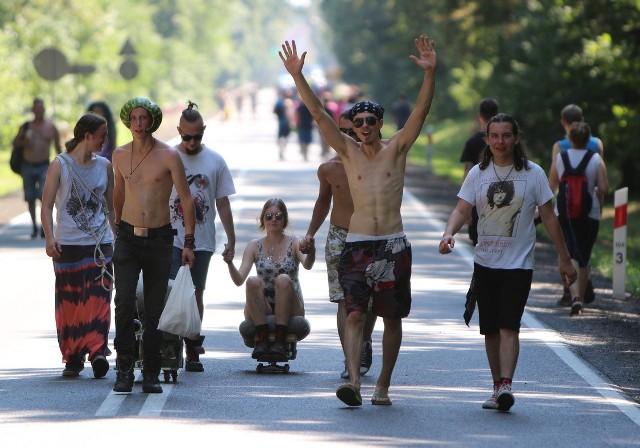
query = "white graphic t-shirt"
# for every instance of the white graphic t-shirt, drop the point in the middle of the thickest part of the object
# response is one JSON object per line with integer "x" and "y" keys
{"x": 506, "y": 201}
{"x": 209, "y": 179}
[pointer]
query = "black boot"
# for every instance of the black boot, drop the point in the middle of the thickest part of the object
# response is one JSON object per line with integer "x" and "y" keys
{"x": 192, "y": 363}
{"x": 150, "y": 376}
{"x": 262, "y": 343}
{"x": 195, "y": 344}
{"x": 278, "y": 348}
{"x": 124, "y": 374}
{"x": 74, "y": 366}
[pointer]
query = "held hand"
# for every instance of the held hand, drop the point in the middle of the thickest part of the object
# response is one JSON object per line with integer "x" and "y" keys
{"x": 427, "y": 50}
{"x": 227, "y": 256}
{"x": 446, "y": 245}
{"x": 289, "y": 56}
{"x": 228, "y": 251}
{"x": 306, "y": 244}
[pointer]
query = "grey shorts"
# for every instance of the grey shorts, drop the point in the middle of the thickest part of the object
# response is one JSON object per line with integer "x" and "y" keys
{"x": 199, "y": 270}
{"x": 332, "y": 251}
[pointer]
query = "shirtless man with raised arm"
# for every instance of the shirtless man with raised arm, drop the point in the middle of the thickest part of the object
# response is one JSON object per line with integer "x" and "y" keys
{"x": 334, "y": 187}
{"x": 376, "y": 260}
{"x": 145, "y": 171}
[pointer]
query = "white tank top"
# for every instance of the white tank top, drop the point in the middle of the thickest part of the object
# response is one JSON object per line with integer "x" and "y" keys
{"x": 81, "y": 216}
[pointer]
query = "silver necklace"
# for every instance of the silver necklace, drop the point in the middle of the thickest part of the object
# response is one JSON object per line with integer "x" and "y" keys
{"x": 508, "y": 174}
{"x": 131, "y": 169}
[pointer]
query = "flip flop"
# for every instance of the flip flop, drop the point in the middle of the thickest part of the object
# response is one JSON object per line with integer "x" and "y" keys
{"x": 381, "y": 399}
{"x": 349, "y": 395}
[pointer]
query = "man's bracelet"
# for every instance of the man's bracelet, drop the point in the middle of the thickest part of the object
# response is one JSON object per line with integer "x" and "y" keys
{"x": 189, "y": 241}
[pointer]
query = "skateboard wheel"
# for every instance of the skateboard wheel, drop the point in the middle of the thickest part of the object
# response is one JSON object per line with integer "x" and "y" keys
{"x": 260, "y": 368}
{"x": 285, "y": 369}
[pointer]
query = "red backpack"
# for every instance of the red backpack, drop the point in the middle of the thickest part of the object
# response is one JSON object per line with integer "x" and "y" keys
{"x": 574, "y": 198}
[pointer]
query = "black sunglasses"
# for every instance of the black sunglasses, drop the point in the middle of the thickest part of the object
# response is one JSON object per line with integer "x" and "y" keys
{"x": 277, "y": 216}
{"x": 187, "y": 138}
{"x": 371, "y": 121}
{"x": 348, "y": 131}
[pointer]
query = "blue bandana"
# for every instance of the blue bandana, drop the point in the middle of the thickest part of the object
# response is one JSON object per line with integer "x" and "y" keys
{"x": 366, "y": 106}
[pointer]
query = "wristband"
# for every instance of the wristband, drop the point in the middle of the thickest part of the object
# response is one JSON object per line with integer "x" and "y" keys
{"x": 189, "y": 241}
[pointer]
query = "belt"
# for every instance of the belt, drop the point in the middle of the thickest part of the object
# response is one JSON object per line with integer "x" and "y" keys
{"x": 146, "y": 232}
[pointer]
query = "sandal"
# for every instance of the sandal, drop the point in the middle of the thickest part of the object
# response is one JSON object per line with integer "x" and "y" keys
{"x": 380, "y": 398}
{"x": 349, "y": 395}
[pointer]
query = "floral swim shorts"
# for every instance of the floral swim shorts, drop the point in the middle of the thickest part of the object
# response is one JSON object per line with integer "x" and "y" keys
{"x": 332, "y": 251}
{"x": 379, "y": 270}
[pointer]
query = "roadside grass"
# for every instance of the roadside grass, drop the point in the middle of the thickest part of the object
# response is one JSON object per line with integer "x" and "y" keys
{"x": 9, "y": 181}
{"x": 448, "y": 140}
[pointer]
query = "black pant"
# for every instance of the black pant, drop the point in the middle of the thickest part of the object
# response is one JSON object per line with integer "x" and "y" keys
{"x": 152, "y": 256}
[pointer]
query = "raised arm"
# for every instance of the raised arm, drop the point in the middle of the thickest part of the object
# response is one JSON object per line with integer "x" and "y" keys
{"x": 328, "y": 127}
{"x": 427, "y": 61}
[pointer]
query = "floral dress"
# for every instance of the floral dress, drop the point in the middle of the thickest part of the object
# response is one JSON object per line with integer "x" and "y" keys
{"x": 269, "y": 268}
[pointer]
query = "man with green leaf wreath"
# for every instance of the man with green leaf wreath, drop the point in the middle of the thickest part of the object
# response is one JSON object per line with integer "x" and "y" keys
{"x": 145, "y": 171}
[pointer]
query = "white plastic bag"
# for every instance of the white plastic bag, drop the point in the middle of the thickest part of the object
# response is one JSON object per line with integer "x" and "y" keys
{"x": 180, "y": 315}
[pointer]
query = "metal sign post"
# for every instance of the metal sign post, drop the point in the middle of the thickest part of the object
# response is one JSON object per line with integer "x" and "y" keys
{"x": 620, "y": 243}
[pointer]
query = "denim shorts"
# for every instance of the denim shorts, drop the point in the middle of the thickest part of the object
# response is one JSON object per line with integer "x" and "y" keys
{"x": 33, "y": 178}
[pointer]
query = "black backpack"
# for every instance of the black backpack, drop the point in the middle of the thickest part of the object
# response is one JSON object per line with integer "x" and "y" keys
{"x": 574, "y": 197}
{"x": 15, "y": 162}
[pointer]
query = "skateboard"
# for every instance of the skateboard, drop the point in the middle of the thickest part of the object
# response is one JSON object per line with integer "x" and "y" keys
{"x": 269, "y": 363}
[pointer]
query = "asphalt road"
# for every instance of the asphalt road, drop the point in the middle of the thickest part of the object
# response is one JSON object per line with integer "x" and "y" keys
{"x": 439, "y": 383}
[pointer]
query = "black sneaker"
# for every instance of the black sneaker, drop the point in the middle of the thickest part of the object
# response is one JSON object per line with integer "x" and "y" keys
{"x": 100, "y": 366}
{"x": 261, "y": 349}
{"x": 278, "y": 349}
{"x": 73, "y": 367}
{"x": 576, "y": 307}
{"x": 366, "y": 358}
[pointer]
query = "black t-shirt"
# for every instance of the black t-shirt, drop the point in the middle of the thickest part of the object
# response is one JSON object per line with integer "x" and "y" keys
{"x": 473, "y": 149}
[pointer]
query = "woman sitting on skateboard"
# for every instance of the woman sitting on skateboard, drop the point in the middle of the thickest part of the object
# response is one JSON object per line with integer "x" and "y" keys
{"x": 276, "y": 288}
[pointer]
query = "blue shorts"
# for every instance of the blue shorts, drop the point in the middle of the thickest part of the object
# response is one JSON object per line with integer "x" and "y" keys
{"x": 199, "y": 270}
{"x": 304, "y": 135}
{"x": 33, "y": 177}
{"x": 580, "y": 236}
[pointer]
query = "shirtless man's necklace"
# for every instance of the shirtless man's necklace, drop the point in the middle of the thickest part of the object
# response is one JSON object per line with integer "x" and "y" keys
{"x": 131, "y": 168}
